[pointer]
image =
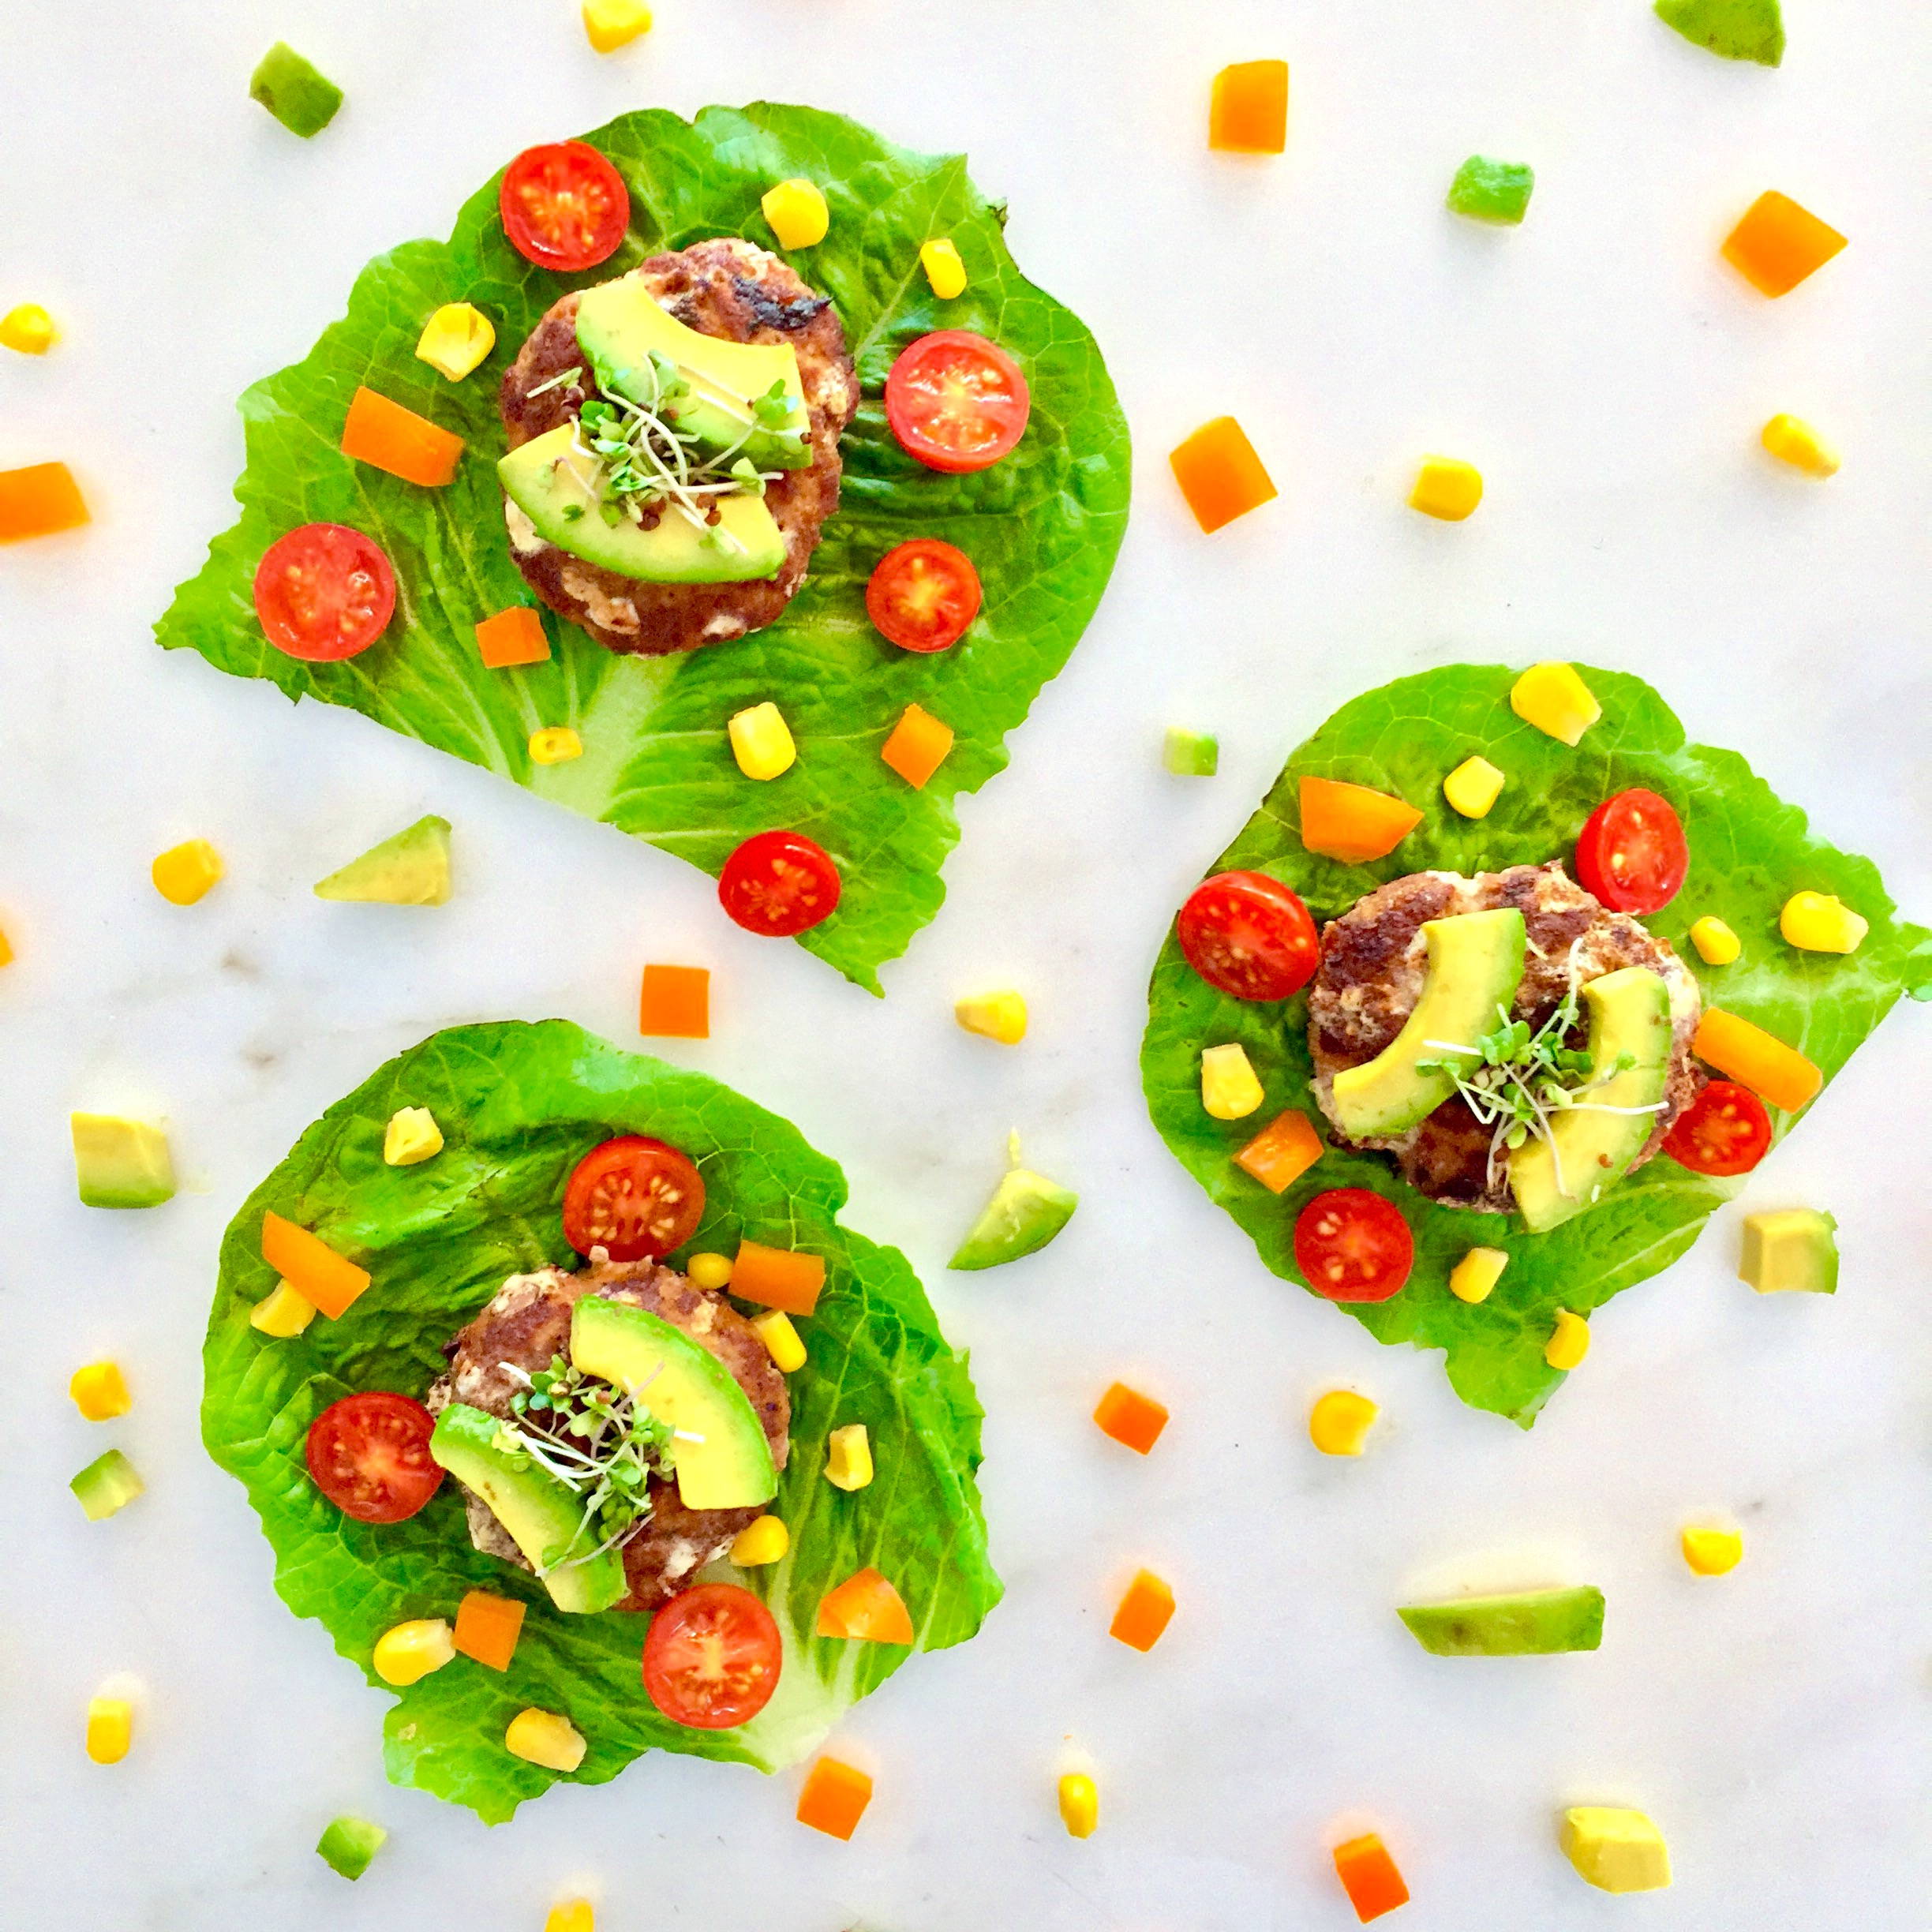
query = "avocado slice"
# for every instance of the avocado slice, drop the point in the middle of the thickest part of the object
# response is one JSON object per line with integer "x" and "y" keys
{"x": 1475, "y": 965}
{"x": 108, "y": 1485}
{"x": 119, "y": 1162}
{"x": 348, "y": 1843}
{"x": 621, "y": 326}
{"x": 1791, "y": 1248}
{"x": 550, "y": 484}
{"x": 544, "y": 1518}
{"x": 1026, "y": 1212}
{"x": 1589, "y": 1149}
{"x": 720, "y": 1453}
{"x": 1524, "y": 1623}
{"x": 411, "y": 869}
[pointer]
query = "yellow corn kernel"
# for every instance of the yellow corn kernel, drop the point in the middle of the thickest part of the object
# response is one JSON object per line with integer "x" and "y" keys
{"x": 1614, "y": 1850}
{"x": 6, "y": 951}
{"x": 709, "y": 1270}
{"x": 610, "y": 25}
{"x": 408, "y": 1653}
{"x": 944, "y": 269}
{"x": 765, "y": 1541}
{"x": 185, "y": 873}
{"x": 574, "y": 1914}
{"x": 1795, "y": 442}
{"x": 412, "y": 1136}
{"x": 1339, "y": 1423}
{"x": 1569, "y": 1342}
{"x": 1079, "y": 1804}
{"x": 849, "y": 1458}
{"x": 1230, "y": 1089}
{"x": 1819, "y": 923}
{"x": 28, "y": 329}
{"x": 1477, "y": 1273}
{"x": 1001, "y": 1017}
{"x": 1553, "y": 698}
{"x": 1712, "y": 1553}
{"x": 1717, "y": 944}
{"x": 109, "y": 1729}
{"x": 761, "y": 741}
{"x": 1447, "y": 488}
{"x": 541, "y": 1737}
{"x": 100, "y": 1391}
{"x": 282, "y": 1314}
{"x": 781, "y": 1340}
{"x": 1473, "y": 786}
{"x": 797, "y": 212}
{"x": 555, "y": 744}
{"x": 455, "y": 340}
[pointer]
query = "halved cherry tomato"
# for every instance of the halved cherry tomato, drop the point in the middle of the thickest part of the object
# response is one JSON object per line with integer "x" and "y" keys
{"x": 324, "y": 592}
{"x": 1248, "y": 935}
{"x": 634, "y": 1197}
{"x": 712, "y": 1658}
{"x": 1633, "y": 854}
{"x": 369, "y": 1455}
{"x": 923, "y": 595}
{"x": 779, "y": 884}
{"x": 1725, "y": 1130}
{"x": 955, "y": 400}
{"x": 564, "y": 206}
{"x": 1354, "y": 1246}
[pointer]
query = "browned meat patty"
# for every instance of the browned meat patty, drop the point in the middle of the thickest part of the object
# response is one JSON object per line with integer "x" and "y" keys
{"x": 1373, "y": 962}
{"x": 728, "y": 288}
{"x": 528, "y": 1324}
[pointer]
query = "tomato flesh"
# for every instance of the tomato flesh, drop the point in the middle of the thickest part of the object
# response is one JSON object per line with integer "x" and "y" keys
{"x": 1352, "y": 1245}
{"x": 369, "y": 1455}
{"x": 1725, "y": 1130}
{"x": 779, "y": 884}
{"x": 955, "y": 400}
{"x": 1248, "y": 935}
{"x": 1632, "y": 854}
{"x": 564, "y": 206}
{"x": 923, "y": 595}
{"x": 712, "y": 1658}
{"x": 635, "y": 1198}
{"x": 323, "y": 593}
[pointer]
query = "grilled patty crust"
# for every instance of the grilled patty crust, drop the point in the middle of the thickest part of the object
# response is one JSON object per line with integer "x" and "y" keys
{"x": 728, "y": 288}
{"x": 527, "y": 1323}
{"x": 1373, "y": 962}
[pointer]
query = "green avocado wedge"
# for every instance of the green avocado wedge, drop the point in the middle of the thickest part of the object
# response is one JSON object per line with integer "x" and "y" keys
{"x": 1026, "y": 1211}
{"x": 1747, "y": 30}
{"x": 1527, "y": 1624}
{"x": 412, "y": 868}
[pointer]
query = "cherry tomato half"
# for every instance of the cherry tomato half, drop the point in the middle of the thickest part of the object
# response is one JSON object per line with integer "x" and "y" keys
{"x": 712, "y": 1658}
{"x": 1725, "y": 1130}
{"x": 923, "y": 595}
{"x": 1632, "y": 854}
{"x": 1248, "y": 935}
{"x": 564, "y": 206}
{"x": 634, "y": 1197}
{"x": 779, "y": 884}
{"x": 955, "y": 400}
{"x": 369, "y": 1455}
{"x": 1354, "y": 1246}
{"x": 324, "y": 592}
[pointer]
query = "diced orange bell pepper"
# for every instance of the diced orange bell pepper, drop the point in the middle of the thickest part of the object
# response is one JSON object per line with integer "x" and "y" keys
{"x": 1143, "y": 1612}
{"x": 1778, "y": 244}
{"x": 328, "y": 1281}
{"x": 779, "y": 1277}
{"x": 676, "y": 1003}
{"x": 1250, "y": 111}
{"x": 487, "y": 1628}
{"x": 514, "y": 636}
{"x": 1352, "y": 823}
{"x": 38, "y": 501}
{"x": 834, "y": 1799}
{"x": 1219, "y": 474}
{"x": 387, "y": 436}
{"x": 1369, "y": 1876}
{"x": 1282, "y": 1151}
{"x": 1131, "y": 1418}
{"x": 918, "y": 747}
{"x": 1778, "y": 1073}
{"x": 866, "y": 1606}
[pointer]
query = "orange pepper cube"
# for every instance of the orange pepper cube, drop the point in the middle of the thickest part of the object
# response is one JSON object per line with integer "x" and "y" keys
{"x": 1282, "y": 1151}
{"x": 834, "y": 1799}
{"x": 1143, "y": 1612}
{"x": 676, "y": 1003}
{"x": 1351, "y": 823}
{"x": 1778, "y": 244}
{"x": 328, "y": 1281}
{"x": 387, "y": 436}
{"x": 1369, "y": 1876}
{"x": 1220, "y": 475}
{"x": 1249, "y": 114}
{"x": 514, "y": 636}
{"x": 487, "y": 1628}
{"x": 868, "y": 1608}
{"x": 1131, "y": 1418}
{"x": 779, "y": 1277}
{"x": 1760, "y": 1061}
{"x": 918, "y": 747}
{"x": 38, "y": 501}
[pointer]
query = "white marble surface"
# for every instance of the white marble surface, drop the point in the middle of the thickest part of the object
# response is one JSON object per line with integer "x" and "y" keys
{"x": 1608, "y": 374}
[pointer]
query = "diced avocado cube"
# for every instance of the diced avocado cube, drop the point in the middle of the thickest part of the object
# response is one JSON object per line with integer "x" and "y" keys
{"x": 1752, "y": 30}
{"x": 1795, "y": 1247}
{"x": 120, "y": 1163}
{"x": 1493, "y": 191}
{"x": 1524, "y": 1623}
{"x": 411, "y": 869}
{"x": 107, "y": 1484}
{"x": 349, "y": 1844}
{"x": 1192, "y": 755}
{"x": 1026, "y": 1212}
{"x": 303, "y": 100}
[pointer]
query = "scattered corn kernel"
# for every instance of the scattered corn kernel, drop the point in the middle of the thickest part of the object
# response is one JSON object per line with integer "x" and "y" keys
{"x": 1001, "y": 1015}
{"x": 1712, "y": 1553}
{"x": 282, "y": 1314}
{"x": 1339, "y": 1423}
{"x": 765, "y": 1541}
{"x": 944, "y": 269}
{"x": 6, "y": 950}
{"x": 1230, "y": 1088}
{"x": 1614, "y": 1850}
{"x": 1446, "y": 487}
{"x": 27, "y": 329}
{"x": 610, "y": 25}
{"x": 455, "y": 340}
{"x": 761, "y": 741}
{"x": 1792, "y": 440}
{"x": 100, "y": 1391}
{"x": 797, "y": 212}
{"x": 848, "y": 1457}
{"x": 555, "y": 744}
{"x": 572, "y": 1915}
{"x": 1473, "y": 786}
{"x": 407, "y": 1652}
{"x": 1079, "y": 1804}
{"x": 412, "y": 1136}
{"x": 709, "y": 1270}
{"x": 186, "y": 872}
{"x": 1820, "y": 922}
{"x": 1477, "y": 1273}
{"x": 1553, "y": 698}
{"x": 1569, "y": 1342}
{"x": 1191, "y": 755}
{"x": 109, "y": 1729}
{"x": 1717, "y": 944}
{"x": 541, "y": 1737}
{"x": 781, "y": 1339}
{"x": 1790, "y": 1249}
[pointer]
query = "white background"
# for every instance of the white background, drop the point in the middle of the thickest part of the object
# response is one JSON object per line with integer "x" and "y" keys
{"x": 1608, "y": 374}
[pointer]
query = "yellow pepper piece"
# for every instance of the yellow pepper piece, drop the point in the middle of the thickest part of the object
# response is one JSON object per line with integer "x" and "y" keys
{"x": 1230, "y": 1089}
{"x": 1553, "y": 698}
{"x": 1001, "y": 1017}
{"x": 610, "y": 25}
{"x": 709, "y": 1270}
{"x": 761, "y": 741}
{"x": 1614, "y": 1850}
{"x": 555, "y": 744}
{"x": 1473, "y": 786}
{"x": 1792, "y": 440}
{"x": 109, "y": 1729}
{"x": 100, "y": 1391}
{"x": 1717, "y": 944}
{"x": 408, "y": 1653}
{"x": 573, "y": 1915}
{"x": 1820, "y": 922}
{"x": 1712, "y": 1553}
{"x": 455, "y": 340}
{"x": 782, "y": 1341}
{"x": 1570, "y": 1342}
{"x": 28, "y": 329}
{"x": 1339, "y": 1423}
{"x": 541, "y": 1737}
{"x": 797, "y": 212}
{"x": 282, "y": 1314}
{"x": 849, "y": 1458}
{"x": 186, "y": 872}
{"x": 1446, "y": 487}
{"x": 1079, "y": 1804}
{"x": 944, "y": 269}
{"x": 1477, "y": 1273}
{"x": 6, "y": 951}
{"x": 412, "y": 1136}
{"x": 758, "y": 1544}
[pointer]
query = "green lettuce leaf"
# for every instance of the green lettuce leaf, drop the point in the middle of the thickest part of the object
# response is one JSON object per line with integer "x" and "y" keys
{"x": 1749, "y": 851}
{"x": 518, "y": 1105}
{"x": 1041, "y": 527}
